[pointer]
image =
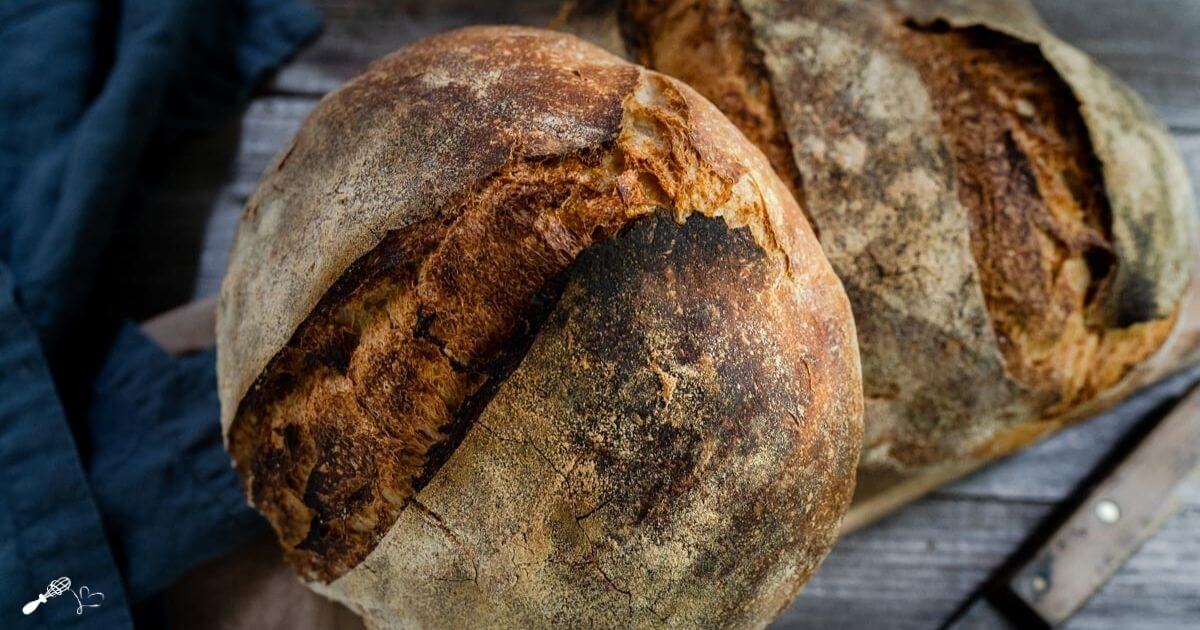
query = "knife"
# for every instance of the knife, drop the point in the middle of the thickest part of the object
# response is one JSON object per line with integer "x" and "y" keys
{"x": 1045, "y": 586}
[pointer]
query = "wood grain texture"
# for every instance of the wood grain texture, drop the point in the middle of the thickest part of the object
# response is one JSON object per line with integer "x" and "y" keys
{"x": 1151, "y": 44}
{"x": 1164, "y": 69}
{"x": 914, "y": 568}
{"x": 911, "y": 569}
{"x": 359, "y": 31}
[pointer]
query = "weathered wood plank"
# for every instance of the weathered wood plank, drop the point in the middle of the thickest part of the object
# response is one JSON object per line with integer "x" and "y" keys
{"x": 358, "y": 32}
{"x": 1149, "y": 43}
{"x": 913, "y": 569}
{"x": 249, "y": 589}
{"x": 1152, "y": 44}
{"x": 1158, "y": 588}
{"x": 1050, "y": 470}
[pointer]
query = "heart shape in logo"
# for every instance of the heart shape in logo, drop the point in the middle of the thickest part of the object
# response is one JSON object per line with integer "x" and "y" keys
{"x": 86, "y": 593}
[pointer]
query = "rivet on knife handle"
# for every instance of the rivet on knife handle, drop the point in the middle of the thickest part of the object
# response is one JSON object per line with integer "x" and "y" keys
{"x": 1121, "y": 513}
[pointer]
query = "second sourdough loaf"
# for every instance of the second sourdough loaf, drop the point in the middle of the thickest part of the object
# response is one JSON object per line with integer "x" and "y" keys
{"x": 1013, "y": 226}
{"x": 518, "y": 334}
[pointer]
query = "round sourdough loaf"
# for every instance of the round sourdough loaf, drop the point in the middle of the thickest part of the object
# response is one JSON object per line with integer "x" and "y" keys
{"x": 518, "y": 334}
{"x": 1012, "y": 225}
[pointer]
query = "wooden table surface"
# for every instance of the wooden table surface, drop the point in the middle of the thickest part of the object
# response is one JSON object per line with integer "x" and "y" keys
{"x": 910, "y": 570}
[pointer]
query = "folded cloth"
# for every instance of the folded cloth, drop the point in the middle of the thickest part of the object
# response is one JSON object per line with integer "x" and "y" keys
{"x": 111, "y": 466}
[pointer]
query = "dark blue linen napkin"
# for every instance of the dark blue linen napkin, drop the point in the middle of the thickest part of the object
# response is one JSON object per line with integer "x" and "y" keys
{"x": 111, "y": 466}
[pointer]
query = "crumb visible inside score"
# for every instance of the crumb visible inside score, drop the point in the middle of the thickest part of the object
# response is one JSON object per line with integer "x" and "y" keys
{"x": 1040, "y": 220}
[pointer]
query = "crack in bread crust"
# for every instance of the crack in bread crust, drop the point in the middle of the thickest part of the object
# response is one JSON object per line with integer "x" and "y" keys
{"x": 384, "y": 370}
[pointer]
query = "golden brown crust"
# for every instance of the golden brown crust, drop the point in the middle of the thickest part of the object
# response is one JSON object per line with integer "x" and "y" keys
{"x": 338, "y": 210}
{"x": 421, "y": 459}
{"x": 707, "y": 44}
{"x": 951, "y": 175}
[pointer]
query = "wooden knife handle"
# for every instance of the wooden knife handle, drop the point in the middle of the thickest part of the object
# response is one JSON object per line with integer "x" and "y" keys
{"x": 1116, "y": 518}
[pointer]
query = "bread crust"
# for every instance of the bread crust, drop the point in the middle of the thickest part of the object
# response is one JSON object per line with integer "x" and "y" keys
{"x": 639, "y": 363}
{"x": 320, "y": 205}
{"x": 697, "y": 379}
{"x": 971, "y": 348}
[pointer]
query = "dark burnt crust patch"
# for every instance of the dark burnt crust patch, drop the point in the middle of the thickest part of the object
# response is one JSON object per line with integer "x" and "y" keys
{"x": 1039, "y": 214}
{"x": 677, "y": 371}
{"x": 634, "y": 265}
